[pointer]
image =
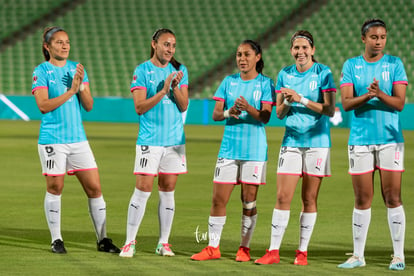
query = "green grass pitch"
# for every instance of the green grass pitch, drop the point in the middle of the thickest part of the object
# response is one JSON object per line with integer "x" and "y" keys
{"x": 25, "y": 239}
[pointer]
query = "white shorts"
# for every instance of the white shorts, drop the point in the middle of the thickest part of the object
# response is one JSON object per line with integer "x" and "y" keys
{"x": 57, "y": 159}
{"x": 299, "y": 161}
{"x": 154, "y": 160}
{"x": 365, "y": 159}
{"x": 229, "y": 171}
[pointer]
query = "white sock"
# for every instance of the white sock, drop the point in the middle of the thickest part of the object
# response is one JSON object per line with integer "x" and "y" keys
{"x": 280, "y": 220}
{"x": 307, "y": 222}
{"x": 136, "y": 211}
{"x": 396, "y": 222}
{"x": 247, "y": 229}
{"x": 166, "y": 209}
{"x": 97, "y": 211}
{"x": 52, "y": 205}
{"x": 360, "y": 224}
{"x": 215, "y": 227}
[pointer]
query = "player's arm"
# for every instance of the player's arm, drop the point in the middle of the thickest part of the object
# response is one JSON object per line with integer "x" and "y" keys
{"x": 349, "y": 102}
{"x": 46, "y": 105}
{"x": 85, "y": 95}
{"x": 262, "y": 115}
{"x": 142, "y": 104}
{"x": 219, "y": 114}
{"x": 396, "y": 101}
{"x": 327, "y": 107}
{"x": 282, "y": 105}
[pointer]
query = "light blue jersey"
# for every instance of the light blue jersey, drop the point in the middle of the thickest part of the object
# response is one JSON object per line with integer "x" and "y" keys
{"x": 162, "y": 125}
{"x": 64, "y": 124}
{"x": 304, "y": 127}
{"x": 244, "y": 138}
{"x": 374, "y": 122}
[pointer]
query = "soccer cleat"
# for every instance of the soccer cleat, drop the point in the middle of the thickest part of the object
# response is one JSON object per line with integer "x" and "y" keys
{"x": 397, "y": 264}
{"x": 271, "y": 257}
{"x": 301, "y": 258}
{"x": 163, "y": 249}
{"x": 106, "y": 245}
{"x": 208, "y": 253}
{"x": 243, "y": 254}
{"x": 128, "y": 250}
{"x": 353, "y": 262}
{"x": 58, "y": 247}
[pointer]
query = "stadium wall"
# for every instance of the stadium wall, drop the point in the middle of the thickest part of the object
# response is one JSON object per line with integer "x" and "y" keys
{"x": 115, "y": 109}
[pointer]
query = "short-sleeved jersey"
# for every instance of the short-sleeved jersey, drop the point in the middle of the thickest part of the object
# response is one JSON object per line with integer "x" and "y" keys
{"x": 244, "y": 138}
{"x": 64, "y": 124}
{"x": 374, "y": 122}
{"x": 162, "y": 125}
{"x": 304, "y": 127}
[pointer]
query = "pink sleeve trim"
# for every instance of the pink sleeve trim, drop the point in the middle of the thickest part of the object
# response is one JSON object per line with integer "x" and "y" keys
{"x": 184, "y": 85}
{"x": 278, "y": 91}
{"x": 218, "y": 99}
{"x": 138, "y": 87}
{"x": 39, "y": 87}
{"x": 267, "y": 102}
{"x": 329, "y": 90}
{"x": 347, "y": 84}
{"x": 400, "y": 82}
{"x": 86, "y": 82}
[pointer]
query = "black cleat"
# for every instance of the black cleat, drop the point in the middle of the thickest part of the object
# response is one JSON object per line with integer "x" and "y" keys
{"x": 58, "y": 247}
{"x": 106, "y": 245}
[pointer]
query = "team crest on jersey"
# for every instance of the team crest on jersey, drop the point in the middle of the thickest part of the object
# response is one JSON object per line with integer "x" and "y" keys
{"x": 34, "y": 79}
{"x": 134, "y": 79}
{"x": 313, "y": 85}
{"x": 257, "y": 95}
{"x": 385, "y": 75}
{"x": 342, "y": 76}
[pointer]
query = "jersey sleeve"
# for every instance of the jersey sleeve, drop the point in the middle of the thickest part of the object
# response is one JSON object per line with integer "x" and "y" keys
{"x": 346, "y": 76}
{"x": 220, "y": 94}
{"x": 138, "y": 79}
{"x": 327, "y": 81}
{"x": 184, "y": 81}
{"x": 268, "y": 92}
{"x": 400, "y": 76}
{"x": 39, "y": 79}
{"x": 279, "y": 82}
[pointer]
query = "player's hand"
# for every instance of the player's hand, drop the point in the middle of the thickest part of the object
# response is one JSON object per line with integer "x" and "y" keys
{"x": 176, "y": 80}
{"x": 168, "y": 82}
{"x": 374, "y": 89}
{"x": 290, "y": 95}
{"x": 78, "y": 78}
{"x": 241, "y": 104}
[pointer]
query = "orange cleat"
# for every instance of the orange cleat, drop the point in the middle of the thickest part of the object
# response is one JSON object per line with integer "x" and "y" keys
{"x": 208, "y": 253}
{"x": 243, "y": 254}
{"x": 271, "y": 257}
{"x": 301, "y": 258}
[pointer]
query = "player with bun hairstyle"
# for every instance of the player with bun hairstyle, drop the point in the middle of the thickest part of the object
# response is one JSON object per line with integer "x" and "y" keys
{"x": 61, "y": 89}
{"x": 373, "y": 88}
{"x": 160, "y": 91}
{"x": 306, "y": 97}
{"x": 244, "y": 100}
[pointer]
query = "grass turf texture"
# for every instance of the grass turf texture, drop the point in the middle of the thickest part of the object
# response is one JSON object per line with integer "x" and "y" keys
{"x": 25, "y": 239}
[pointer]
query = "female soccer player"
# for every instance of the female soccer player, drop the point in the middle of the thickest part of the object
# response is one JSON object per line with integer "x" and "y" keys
{"x": 160, "y": 91}
{"x": 306, "y": 96}
{"x": 373, "y": 87}
{"x": 245, "y": 101}
{"x": 61, "y": 88}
